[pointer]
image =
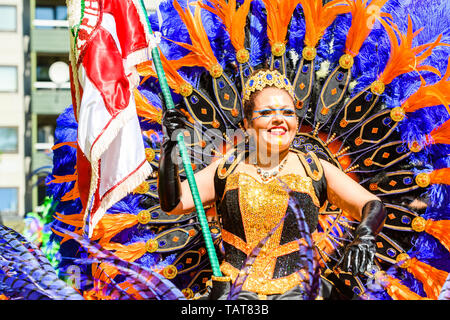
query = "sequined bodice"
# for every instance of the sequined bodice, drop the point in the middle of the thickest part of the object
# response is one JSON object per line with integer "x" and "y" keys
{"x": 250, "y": 210}
{"x": 263, "y": 205}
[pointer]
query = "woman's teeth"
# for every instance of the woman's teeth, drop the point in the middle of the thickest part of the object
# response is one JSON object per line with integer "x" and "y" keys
{"x": 277, "y": 131}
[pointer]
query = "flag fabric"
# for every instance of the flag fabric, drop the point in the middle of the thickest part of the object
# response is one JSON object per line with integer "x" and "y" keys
{"x": 108, "y": 39}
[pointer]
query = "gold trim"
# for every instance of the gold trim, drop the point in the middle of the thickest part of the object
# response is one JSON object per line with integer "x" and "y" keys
{"x": 221, "y": 279}
{"x": 260, "y": 285}
{"x": 236, "y": 161}
{"x": 317, "y": 175}
{"x": 326, "y": 86}
{"x": 347, "y": 121}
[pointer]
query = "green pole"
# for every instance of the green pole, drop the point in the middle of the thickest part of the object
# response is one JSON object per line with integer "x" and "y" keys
{"x": 185, "y": 159}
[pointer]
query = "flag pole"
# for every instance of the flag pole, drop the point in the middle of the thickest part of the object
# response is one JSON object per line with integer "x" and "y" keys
{"x": 185, "y": 158}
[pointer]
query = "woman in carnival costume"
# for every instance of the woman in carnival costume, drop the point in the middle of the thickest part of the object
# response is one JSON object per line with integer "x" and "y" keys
{"x": 252, "y": 198}
{"x": 360, "y": 114}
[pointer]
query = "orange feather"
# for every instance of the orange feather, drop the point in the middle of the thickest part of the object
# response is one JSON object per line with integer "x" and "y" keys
{"x": 233, "y": 19}
{"x": 404, "y": 57}
{"x": 362, "y": 16}
{"x": 440, "y": 134}
{"x": 128, "y": 253}
{"x": 112, "y": 224}
{"x": 318, "y": 18}
{"x": 432, "y": 279}
{"x": 73, "y": 193}
{"x": 439, "y": 229}
{"x": 174, "y": 80}
{"x": 440, "y": 176}
{"x": 200, "y": 47}
{"x": 399, "y": 291}
{"x": 72, "y": 144}
{"x": 279, "y": 13}
{"x": 145, "y": 109}
{"x": 431, "y": 95}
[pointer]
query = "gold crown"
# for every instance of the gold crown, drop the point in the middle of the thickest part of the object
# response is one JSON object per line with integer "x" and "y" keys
{"x": 267, "y": 78}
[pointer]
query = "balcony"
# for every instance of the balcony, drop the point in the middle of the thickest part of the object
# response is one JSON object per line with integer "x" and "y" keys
{"x": 47, "y": 98}
{"x": 50, "y": 36}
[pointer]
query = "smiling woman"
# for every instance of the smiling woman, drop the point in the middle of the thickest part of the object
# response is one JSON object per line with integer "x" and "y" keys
{"x": 252, "y": 193}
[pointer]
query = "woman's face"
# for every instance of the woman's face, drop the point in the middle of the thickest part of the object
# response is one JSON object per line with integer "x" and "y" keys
{"x": 274, "y": 122}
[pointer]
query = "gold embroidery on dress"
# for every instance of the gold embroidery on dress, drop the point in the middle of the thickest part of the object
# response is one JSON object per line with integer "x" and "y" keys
{"x": 262, "y": 207}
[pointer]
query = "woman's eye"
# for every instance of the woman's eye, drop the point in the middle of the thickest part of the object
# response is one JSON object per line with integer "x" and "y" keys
{"x": 265, "y": 112}
{"x": 288, "y": 113}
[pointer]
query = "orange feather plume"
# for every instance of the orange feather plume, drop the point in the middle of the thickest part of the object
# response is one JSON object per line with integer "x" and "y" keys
{"x": 397, "y": 290}
{"x": 233, "y": 19}
{"x": 72, "y": 144}
{"x": 440, "y": 176}
{"x": 432, "y": 279}
{"x": 431, "y": 95}
{"x": 75, "y": 220}
{"x": 128, "y": 253}
{"x": 362, "y": 23}
{"x": 279, "y": 13}
{"x": 318, "y": 18}
{"x": 201, "y": 53}
{"x": 146, "y": 70}
{"x": 112, "y": 224}
{"x": 440, "y": 230}
{"x": 440, "y": 134}
{"x": 170, "y": 67}
{"x": 145, "y": 109}
{"x": 73, "y": 193}
{"x": 66, "y": 237}
{"x": 404, "y": 57}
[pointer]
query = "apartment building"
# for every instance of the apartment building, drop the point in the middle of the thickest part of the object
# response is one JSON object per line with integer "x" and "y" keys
{"x": 14, "y": 104}
{"x": 34, "y": 90}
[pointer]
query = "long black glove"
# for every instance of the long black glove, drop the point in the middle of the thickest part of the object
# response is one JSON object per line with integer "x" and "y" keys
{"x": 359, "y": 254}
{"x": 169, "y": 190}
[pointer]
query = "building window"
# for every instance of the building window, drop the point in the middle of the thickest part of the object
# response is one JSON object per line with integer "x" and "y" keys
{"x": 8, "y": 200}
{"x": 8, "y": 18}
{"x": 8, "y": 79}
{"x": 49, "y": 16}
{"x": 8, "y": 139}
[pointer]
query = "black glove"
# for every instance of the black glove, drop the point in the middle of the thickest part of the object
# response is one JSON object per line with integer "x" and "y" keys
{"x": 359, "y": 254}
{"x": 169, "y": 190}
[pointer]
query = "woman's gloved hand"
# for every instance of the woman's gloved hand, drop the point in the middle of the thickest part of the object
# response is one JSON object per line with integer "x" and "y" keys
{"x": 359, "y": 254}
{"x": 168, "y": 179}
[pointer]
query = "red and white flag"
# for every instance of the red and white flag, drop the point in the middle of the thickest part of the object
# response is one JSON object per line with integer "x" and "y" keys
{"x": 108, "y": 38}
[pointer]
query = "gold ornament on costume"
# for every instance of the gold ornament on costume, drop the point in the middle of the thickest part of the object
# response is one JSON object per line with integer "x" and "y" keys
{"x": 144, "y": 217}
{"x": 149, "y": 154}
{"x": 267, "y": 78}
{"x": 142, "y": 188}
{"x": 170, "y": 272}
{"x": 188, "y": 293}
{"x": 418, "y": 224}
{"x": 309, "y": 53}
{"x": 242, "y": 56}
{"x": 397, "y": 114}
{"x": 186, "y": 89}
{"x": 423, "y": 179}
{"x": 216, "y": 71}
{"x": 377, "y": 87}
{"x": 151, "y": 245}
{"x": 346, "y": 61}
{"x": 278, "y": 49}
{"x": 415, "y": 146}
{"x": 403, "y": 260}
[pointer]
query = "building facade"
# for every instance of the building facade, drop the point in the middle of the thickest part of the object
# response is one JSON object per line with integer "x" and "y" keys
{"x": 34, "y": 90}
{"x": 14, "y": 104}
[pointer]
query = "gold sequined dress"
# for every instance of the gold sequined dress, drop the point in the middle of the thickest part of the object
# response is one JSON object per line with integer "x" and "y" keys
{"x": 250, "y": 209}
